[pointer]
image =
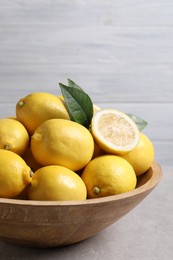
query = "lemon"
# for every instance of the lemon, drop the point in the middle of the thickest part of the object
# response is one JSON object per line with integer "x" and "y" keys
{"x": 15, "y": 175}
{"x": 56, "y": 183}
{"x": 114, "y": 131}
{"x": 13, "y": 136}
{"x": 62, "y": 142}
{"x": 108, "y": 175}
{"x": 142, "y": 156}
{"x": 37, "y": 107}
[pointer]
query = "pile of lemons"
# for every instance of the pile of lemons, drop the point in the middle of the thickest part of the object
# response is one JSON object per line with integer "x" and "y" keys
{"x": 46, "y": 156}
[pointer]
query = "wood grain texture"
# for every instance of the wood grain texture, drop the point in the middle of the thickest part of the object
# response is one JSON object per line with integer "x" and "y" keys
{"x": 119, "y": 51}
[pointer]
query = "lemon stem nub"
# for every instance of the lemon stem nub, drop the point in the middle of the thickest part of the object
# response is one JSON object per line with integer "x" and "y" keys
{"x": 7, "y": 147}
{"x": 31, "y": 173}
{"x": 20, "y": 104}
{"x": 96, "y": 190}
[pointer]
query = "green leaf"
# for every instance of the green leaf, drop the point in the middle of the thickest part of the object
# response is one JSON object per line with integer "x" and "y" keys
{"x": 141, "y": 123}
{"x": 72, "y": 84}
{"x": 78, "y": 103}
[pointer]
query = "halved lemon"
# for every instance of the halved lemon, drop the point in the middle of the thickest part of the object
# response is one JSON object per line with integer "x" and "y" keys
{"x": 114, "y": 131}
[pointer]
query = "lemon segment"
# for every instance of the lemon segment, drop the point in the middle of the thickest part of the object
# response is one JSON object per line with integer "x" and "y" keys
{"x": 114, "y": 131}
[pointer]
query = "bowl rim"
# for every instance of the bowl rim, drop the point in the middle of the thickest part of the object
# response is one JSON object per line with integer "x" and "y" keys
{"x": 156, "y": 174}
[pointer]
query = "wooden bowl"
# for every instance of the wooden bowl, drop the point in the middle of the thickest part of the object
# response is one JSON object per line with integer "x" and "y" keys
{"x": 52, "y": 224}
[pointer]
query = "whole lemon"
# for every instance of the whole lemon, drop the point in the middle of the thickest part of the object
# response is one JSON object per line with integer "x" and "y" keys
{"x": 56, "y": 183}
{"x": 13, "y": 136}
{"x": 37, "y": 107}
{"x": 15, "y": 175}
{"x": 142, "y": 156}
{"x": 62, "y": 142}
{"x": 108, "y": 175}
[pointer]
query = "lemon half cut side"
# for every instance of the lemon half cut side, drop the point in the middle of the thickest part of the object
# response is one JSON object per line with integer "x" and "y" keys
{"x": 114, "y": 131}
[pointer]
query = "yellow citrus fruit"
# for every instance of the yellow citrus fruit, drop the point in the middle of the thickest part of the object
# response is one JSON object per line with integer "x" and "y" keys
{"x": 13, "y": 136}
{"x": 38, "y": 107}
{"x": 108, "y": 175}
{"x": 15, "y": 175}
{"x": 114, "y": 131}
{"x": 56, "y": 183}
{"x": 30, "y": 160}
{"x": 62, "y": 142}
{"x": 142, "y": 156}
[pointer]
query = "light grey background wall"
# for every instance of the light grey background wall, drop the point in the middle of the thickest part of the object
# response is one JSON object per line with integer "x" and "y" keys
{"x": 119, "y": 51}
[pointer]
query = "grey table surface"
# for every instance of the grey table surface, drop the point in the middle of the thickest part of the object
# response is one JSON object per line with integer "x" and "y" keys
{"x": 121, "y": 53}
